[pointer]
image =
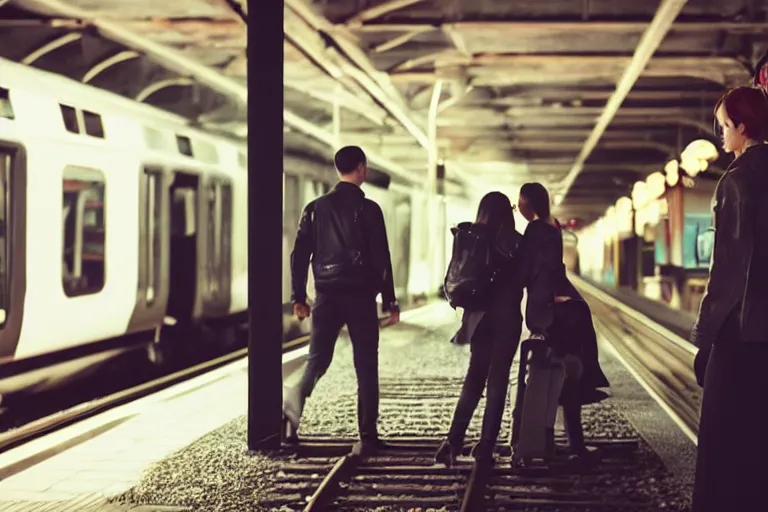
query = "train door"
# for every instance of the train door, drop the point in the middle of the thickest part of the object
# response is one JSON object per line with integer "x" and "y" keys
{"x": 153, "y": 250}
{"x": 13, "y": 271}
{"x": 183, "y": 255}
{"x": 218, "y": 234}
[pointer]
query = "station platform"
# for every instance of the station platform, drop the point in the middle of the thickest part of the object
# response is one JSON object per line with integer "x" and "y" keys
{"x": 185, "y": 448}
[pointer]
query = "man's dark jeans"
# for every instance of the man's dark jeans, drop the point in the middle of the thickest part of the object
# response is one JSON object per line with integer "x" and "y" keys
{"x": 330, "y": 312}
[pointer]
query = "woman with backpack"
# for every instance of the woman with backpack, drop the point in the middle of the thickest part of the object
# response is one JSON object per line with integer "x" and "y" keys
{"x": 557, "y": 313}
{"x": 492, "y": 327}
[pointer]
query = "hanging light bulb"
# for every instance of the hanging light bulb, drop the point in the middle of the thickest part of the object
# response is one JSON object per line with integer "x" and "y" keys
{"x": 639, "y": 195}
{"x": 672, "y": 170}
{"x": 690, "y": 164}
{"x": 672, "y": 166}
{"x": 696, "y": 156}
{"x": 655, "y": 185}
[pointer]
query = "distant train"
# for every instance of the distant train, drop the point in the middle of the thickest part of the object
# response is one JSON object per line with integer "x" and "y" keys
{"x": 122, "y": 227}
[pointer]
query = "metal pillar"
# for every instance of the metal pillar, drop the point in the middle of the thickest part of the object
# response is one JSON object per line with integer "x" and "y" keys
{"x": 432, "y": 200}
{"x": 337, "y": 117}
{"x": 432, "y": 152}
{"x": 265, "y": 223}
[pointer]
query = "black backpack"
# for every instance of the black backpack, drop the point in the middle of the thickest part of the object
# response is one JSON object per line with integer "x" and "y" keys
{"x": 469, "y": 277}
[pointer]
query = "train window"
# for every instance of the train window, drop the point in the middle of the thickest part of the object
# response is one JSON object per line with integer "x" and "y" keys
{"x": 93, "y": 126}
{"x": 226, "y": 228}
{"x": 213, "y": 199}
{"x": 69, "y": 115}
{"x": 153, "y": 219}
{"x": 184, "y": 145}
{"x": 5, "y": 183}
{"x": 6, "y": 108}
{"x": 183, "y": 210}
{"x": 83, "y": 212}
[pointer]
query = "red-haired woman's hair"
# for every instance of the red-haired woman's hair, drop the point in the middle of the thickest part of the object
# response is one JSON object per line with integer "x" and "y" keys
{"x": 747, "y": 105}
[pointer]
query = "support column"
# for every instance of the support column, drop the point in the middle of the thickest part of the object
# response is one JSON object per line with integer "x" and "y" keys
{"x": 265, "y": 223}
{"x": 337, "y": 117}
{"x": 432, "y": 199}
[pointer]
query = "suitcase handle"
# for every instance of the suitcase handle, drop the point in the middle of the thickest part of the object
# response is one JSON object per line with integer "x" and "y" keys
{"x": 534, "y": 345}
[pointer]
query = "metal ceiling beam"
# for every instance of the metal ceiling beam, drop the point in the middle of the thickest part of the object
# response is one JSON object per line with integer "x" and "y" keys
{"x": 38, "y": 23}
{"x": 362, "y": 70}
{"x": 107, "y": 63}
{"x": 50, "y": 46}
{"x": 548, "y": 70}
{"x": 154, "y": 87}
{"x": 379, "y": 10}
{"x": 397, "y": 41}
{"x": 537, "y": 27}
{"x": 555, "y": 113}
{"x": 503, "y": 139}
{"x": 571, "y": 145}
{"x": 502, "y": 122}
{"x": 649, "y": 42}
{"x": 508, "y": 61}
{"x": 520, "y": 96}
{"x": 567, "y": 111}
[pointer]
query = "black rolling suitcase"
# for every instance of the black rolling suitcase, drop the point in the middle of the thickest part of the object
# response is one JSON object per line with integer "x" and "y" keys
{"x": 539, "y": 384}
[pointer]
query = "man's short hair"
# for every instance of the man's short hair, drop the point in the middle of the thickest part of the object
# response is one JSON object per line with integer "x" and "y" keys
{"x": 348, "y": 159}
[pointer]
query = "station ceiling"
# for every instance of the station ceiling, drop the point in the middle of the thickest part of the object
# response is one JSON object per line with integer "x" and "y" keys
{"x": 586, "y": 96}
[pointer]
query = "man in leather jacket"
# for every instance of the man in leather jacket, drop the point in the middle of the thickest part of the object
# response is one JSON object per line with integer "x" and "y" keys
{"x": 344, "y": 234}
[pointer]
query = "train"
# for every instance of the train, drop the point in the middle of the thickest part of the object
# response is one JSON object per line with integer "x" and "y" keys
{"x": 124, "y": 227}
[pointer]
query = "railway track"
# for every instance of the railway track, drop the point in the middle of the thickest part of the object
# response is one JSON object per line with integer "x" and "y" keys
{"x": 321, "y": 475}
{"x": 403, "y": 476}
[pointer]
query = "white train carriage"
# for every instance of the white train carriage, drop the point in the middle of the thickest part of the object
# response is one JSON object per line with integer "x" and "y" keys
{"x": 116, "y": 219}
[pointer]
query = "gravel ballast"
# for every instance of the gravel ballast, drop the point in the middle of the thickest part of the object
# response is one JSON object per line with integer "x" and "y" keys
{"x": 218, "y": 473}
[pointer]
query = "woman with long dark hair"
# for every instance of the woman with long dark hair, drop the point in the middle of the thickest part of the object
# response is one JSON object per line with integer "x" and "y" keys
{"x": 493, "y": 334}
{"x": 557, "y": 312}
{"x": 731, "y": 329}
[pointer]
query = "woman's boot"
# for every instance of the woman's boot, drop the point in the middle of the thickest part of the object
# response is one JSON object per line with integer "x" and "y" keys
{"x": 483, "y": 452}
{"x": 577, "y": 450}
{"x": 447, "y": 453}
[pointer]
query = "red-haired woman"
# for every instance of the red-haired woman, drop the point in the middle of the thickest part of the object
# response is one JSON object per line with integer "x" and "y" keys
{"x": 731, "y": 330}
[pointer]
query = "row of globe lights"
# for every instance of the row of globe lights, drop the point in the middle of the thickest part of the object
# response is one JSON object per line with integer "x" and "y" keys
{"x": 694, "y": 159}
